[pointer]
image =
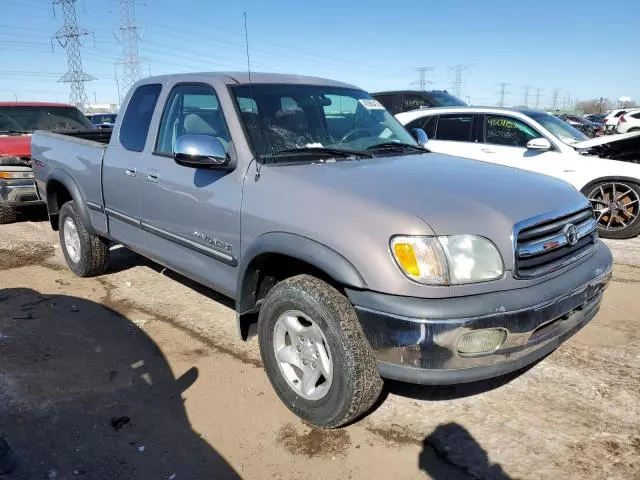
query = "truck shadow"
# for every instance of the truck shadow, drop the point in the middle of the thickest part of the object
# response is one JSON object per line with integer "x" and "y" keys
{"x": 450, "y": 452}
{"x": 451, "y": 392}
{"x": 121, "y": 259}
{"x": 84, "y": 392}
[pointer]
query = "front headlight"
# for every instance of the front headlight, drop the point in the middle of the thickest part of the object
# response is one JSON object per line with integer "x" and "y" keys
{"x": 449, "y": 260}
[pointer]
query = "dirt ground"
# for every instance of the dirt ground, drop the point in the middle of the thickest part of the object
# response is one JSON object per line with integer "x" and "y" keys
{"x": 138, "y": 374}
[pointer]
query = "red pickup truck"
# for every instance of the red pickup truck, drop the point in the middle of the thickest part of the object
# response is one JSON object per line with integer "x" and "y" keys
{"x": 18, "y": 120}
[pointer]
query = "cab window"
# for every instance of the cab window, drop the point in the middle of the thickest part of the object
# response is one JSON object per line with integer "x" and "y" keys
{"x": 455, "y": 127}
{"x": 191, "y": 109}
{"x": 507, "y": 131}
{"x": 428, "y": 124}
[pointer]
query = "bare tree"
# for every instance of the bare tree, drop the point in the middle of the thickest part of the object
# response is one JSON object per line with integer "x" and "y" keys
{"x": 597, "y": 105}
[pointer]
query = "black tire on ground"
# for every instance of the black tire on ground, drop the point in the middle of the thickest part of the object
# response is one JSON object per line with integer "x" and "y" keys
{"x": 355, "y": 385}
{"x": 633, "y": 228}
{"x": 94, "y": 250}
{"x": 8, "y": 214}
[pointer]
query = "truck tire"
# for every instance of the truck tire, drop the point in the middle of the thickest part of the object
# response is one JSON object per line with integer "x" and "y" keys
{"x": 625, "y": 197}
{"x": 315, "y": 353}
{"x": 86, "y": 254}
{"x": 7, "y": 214}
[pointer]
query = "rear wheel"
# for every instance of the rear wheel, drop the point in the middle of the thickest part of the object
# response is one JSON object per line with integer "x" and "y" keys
{"x": 86, "y": 254}
{"x": 8, "y": 214}
{"x": 315, "y": 353}
{"x": 617, "y": 208}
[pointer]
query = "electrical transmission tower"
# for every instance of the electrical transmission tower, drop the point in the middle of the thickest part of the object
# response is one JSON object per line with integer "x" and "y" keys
{"x": 503, "y": 92}
{"x": 425, "y": 73}
{"x": 527, "y": 89}
{"x": 128, "y": 37}
{"x": 457, "y": 82}
{"x": 71, "y": 38}
{"x": 556, "y": 93}
{"x": 538, "y": 90}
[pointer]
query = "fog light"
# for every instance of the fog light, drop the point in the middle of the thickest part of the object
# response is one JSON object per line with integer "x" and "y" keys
{"x": 481, "y": 341}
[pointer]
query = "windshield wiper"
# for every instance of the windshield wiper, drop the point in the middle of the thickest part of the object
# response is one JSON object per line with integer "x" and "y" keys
{"x": 395, "y": 146}
{"x": 18, "y": 132}
{"x": 324, "y": 151}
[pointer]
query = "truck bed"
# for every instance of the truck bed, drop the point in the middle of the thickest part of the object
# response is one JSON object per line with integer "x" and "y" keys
{"x": 76, "y": 154}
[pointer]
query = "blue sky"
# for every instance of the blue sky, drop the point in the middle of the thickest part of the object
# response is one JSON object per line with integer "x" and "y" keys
{"x": 584, "y": 48}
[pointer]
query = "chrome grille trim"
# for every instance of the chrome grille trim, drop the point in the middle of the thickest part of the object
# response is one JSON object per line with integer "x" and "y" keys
{"x": 541, "y": 244}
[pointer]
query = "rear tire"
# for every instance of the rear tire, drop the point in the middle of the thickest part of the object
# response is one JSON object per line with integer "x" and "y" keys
{"x": 86, "y": 254}
{"x": 354, "y": 383}
{"x": 8, "y": 214}
{"x": 624, "y": 198}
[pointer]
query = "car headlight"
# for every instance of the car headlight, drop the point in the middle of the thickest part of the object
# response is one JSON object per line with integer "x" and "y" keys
{"x": 16, "y": 175}
{"x": 447, "y": 260}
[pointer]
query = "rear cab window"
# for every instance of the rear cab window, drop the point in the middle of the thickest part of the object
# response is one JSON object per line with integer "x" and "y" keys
{"x": 414, "y": 101}
{"x": 137, "y": 117}
{"x": 455, "y": 127}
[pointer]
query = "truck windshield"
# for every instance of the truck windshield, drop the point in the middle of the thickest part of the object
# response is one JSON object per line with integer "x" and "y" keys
{"x": 561, "y": 129}
{"x": 283, "y": 119}
{"x": 27, "y": 119}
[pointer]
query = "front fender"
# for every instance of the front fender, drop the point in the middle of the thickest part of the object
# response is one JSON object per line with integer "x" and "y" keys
{"x": 301, "y": 248}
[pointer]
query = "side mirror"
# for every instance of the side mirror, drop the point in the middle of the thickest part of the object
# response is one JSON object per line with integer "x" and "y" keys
{"x": 420, "y": 135}
{"x": 200, "y": 151}
{"x": 540, "y": 144}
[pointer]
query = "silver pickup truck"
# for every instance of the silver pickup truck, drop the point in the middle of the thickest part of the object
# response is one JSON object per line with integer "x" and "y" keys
{"x": 352, "y": 252}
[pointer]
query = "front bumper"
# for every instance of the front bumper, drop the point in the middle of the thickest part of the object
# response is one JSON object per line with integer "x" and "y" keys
{"x": 415, "y": 339}
{"x": 18, "y": 192}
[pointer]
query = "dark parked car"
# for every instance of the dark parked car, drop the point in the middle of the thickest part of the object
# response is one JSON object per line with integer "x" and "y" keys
{"x": 596, "y": 117}
{"x": 103, "y": 120}
{"x": 405, "y": 100}
{"x": 586, "y": 126}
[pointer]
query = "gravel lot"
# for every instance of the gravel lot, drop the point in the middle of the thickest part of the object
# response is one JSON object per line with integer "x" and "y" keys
{"x": 139, "y": 374}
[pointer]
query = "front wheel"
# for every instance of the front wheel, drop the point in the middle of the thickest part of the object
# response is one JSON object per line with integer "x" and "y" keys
{"x": 8, "y": 214}
{"x": 315, "y": 353}
{"x": 617, "y": 208}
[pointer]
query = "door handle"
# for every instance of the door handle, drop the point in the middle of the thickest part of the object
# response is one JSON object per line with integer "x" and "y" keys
{"x": 152, "y": 176}
{"x": 487, "y": 150}
{"x": 130, "y": 171}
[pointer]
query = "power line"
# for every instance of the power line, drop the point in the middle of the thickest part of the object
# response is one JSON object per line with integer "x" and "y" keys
{"x": 129, "y": 37}
{"x": 503, "y": 93}
{"x": 71, "y": 38}
{"x": 425, "y": 77}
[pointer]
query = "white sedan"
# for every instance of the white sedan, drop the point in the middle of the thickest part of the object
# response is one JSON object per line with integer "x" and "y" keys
{"x": 536, "y": 141}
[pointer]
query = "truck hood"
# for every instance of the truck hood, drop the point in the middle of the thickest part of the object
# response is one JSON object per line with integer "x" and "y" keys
{"x": 15, "y": 145}
{"x": 452, "y": 195}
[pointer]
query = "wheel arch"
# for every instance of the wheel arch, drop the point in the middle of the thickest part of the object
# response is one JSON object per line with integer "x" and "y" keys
{"x": 278, "y": 255}
{"x": 61, "y": 188}
{"x": 615, "y": 178}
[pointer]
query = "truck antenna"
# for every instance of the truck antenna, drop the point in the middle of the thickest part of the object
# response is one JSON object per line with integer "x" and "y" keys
{"x": 246, "y": 42}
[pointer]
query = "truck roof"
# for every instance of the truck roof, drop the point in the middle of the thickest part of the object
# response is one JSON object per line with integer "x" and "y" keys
{"x": 239, "y": 78}
{"x": 34, "y": 104}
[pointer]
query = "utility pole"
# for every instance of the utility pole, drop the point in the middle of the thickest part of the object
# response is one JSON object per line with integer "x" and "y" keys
{"x": 527, "y": 89}
{"x": 538, "y": 90}
{"x": 129, "y": 37}
{"x": 457, "y": 82}
{"x": 425, "y": 75}
{"x": 71, "y": 38}
{"x": 556, "y": 92}
{"x": 503, "y": 92}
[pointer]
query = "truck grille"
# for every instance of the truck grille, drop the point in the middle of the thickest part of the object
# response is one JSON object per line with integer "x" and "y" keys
{"x": 554, "y": 243}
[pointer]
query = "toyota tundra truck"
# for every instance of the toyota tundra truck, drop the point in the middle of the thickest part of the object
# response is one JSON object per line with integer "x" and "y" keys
{"x": 352, "y": 252}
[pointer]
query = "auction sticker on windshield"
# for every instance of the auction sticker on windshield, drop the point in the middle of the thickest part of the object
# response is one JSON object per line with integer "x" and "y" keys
{"x": 371, "y": 104}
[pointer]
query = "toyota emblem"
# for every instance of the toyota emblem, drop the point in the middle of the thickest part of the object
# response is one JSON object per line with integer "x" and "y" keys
{"x": 571, "y": 233}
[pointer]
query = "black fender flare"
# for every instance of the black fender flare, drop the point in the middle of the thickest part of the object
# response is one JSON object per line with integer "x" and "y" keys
{"x": 76, "y": 195}
{"x": 301, "y": 248}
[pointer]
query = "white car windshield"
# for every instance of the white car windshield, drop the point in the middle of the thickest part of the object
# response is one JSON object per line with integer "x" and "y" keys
{"x": 561, "y": 129}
